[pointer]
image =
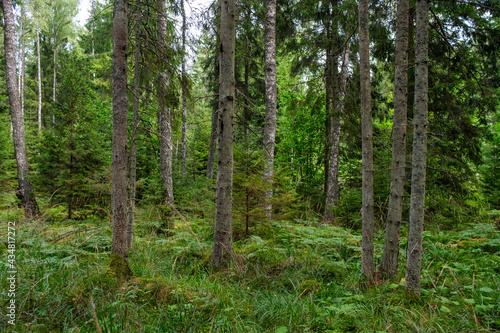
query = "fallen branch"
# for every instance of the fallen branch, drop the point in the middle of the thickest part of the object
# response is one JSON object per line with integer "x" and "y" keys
{"x": 73, "y": 232}
{"x": 85, "y": 241}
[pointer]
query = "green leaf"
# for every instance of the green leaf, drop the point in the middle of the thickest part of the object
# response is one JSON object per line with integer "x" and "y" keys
{"x": 483, "y": 308}
{"x": 445, "y": 300}
{"x": 470, "y": 300}
{"x": 444, "y": 309}
{"x": 282, "y": 329}
{"x": 486, "y": 290}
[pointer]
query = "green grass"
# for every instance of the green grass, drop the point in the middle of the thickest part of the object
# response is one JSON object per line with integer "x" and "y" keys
{"x": 298, "y": 276}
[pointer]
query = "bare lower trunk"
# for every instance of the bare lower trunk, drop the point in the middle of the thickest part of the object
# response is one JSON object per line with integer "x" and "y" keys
{"x": 333, "y": 192}
{"x": 223, "y": 241}
{"x": 164, "y": 117}
{"x": 417, "y": 205}
{"x": 39, "y": 74}
{"x": 389, "y": 264}
{"x": 24, "y": 191}
{"x": 119, "y": 249}
{"x": 367, "y": 265}
{"x": 271, "y": 96}
{"x": 133, "y": 143}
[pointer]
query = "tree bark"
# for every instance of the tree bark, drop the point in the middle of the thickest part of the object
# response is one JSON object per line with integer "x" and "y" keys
{"x": 389, "y": 264}
{"x": 22, "y": 65}
{"x": 417, "y": 200}
{"x": 119, "y": 250}
{"x": 39, "y": 74}
{"x": 55, "y": 71}
{"x": 133, "y": 143}
{"x": 223, "y": 244}
{"x": 24, "y": 191}
{"x": 213, "y": 144}
{"x": 164, "y": 117}
{"x": 184, "y": 91}
{"x": 367, "y": 266}
{"x": 333, "y": 192}
{"x": 332, "y": 119}
{"x": 271, "y": 97}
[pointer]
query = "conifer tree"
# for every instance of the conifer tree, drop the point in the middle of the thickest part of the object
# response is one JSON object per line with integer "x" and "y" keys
{"x": 119, "y": 249}
{"x": 223, "y": 239}
{"x": 367, "y": 267}
{"x": 164, "y": 112}
{"x": 419, "y": 157}
{"x": 389, "y": 262}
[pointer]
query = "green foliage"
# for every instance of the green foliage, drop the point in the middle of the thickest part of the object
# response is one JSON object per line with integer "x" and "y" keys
{"x": 301, "y": 155}
{"x": 490, "y": 170}
{"x": 248, "y": 190}
{"x": 73, "y": 159}
{"x": 297, "y": 276}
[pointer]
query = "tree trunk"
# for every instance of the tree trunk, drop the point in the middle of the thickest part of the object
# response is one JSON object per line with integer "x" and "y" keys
{"x": 417, "y": 205}
{"x": 333, "y": 193}
{"x": 24, "y": 191}
{"x": 55, "y": 71}
{"x": 389, "y": 264}
{"x": 164, "y": 120}
{"x": 119, "y": 250}
{"x": 223, "y": 244}
{"x": 55, "y": 76}
{"x": 212, "y": 145}
{"x": 271, "y": 96}
{"x": 367, "y": 267}
{"x": 332, "y": 119}
{"x": 22, "y": 65}
{"x": 184, "y": 90}
{"x": 133, "y": 143}
{"x": 39, "y": 74}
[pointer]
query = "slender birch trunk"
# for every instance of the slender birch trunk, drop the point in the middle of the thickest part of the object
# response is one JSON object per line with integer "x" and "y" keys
{"x": 22, "y": 59}
{"x": 24, "y": 191}
{"x": 367, "y": 264}
{"x": 55, "y": 77}
{"x": 271, "y": 97}
{"x": 417, "y": 205}
{"x": 184, "y": 90}
{"x": 55, "y": 70}
{"x": 223, "y": 230}
{"x": 119, "y": 249}
{"x": 389, "y": 264}
{"x": 39, "y": 75}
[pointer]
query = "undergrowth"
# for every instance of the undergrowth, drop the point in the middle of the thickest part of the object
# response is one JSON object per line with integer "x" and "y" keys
{"x": 300, "y": 276}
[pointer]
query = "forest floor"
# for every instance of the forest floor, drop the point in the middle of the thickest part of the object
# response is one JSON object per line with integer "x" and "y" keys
{"x": 291, "y": 276}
